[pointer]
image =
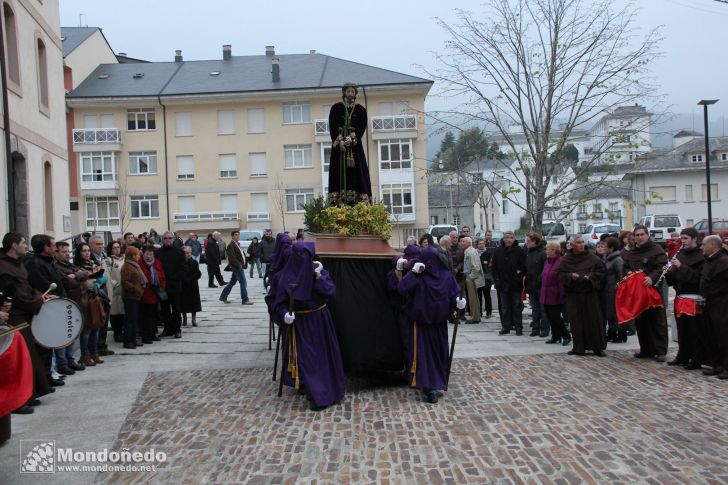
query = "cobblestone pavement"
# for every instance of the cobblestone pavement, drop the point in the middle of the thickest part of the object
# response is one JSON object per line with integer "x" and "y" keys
{"x": 526, "y": 419}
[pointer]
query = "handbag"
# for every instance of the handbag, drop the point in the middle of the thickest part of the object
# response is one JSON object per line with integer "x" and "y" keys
{"x": 95, "y": 314}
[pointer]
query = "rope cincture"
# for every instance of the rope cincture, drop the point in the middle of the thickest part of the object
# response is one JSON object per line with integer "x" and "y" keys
{"x": 293, "y": 358}
{"x": 413, "y": 369}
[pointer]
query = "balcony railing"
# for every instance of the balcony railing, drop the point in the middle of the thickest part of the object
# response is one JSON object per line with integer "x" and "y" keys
{"x": 597, "y": 215}
{"x": 394, "y": 123}
{"x": 206, "y": 216}
{"x": 99, "y": 182}
{"x": 96, "y": 136}
{"x": 582, "y": 216}
{"x": 258, "y": 216}
{"x": 321, "y": 127}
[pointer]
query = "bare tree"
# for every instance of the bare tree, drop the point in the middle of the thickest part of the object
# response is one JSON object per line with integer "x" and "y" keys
{"x": 539, "y": 70}
{"x": 278, "y": 196}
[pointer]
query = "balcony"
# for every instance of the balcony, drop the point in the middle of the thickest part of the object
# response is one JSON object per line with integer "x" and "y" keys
{"x": 321, "y": 131}
{"x": 582, "y": 216}
{"x": 258, "y": 216}
{"x": 206, "y": 220}
{"x": 99, "y": 182}
{"x": 597, "y": 215}
{"x": 92, "y": 139}
{"x": 400, "y": 125}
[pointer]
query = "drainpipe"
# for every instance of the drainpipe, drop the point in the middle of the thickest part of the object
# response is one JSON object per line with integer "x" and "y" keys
{"x": 9, "y": 165}
{"x": 166, "y": 162}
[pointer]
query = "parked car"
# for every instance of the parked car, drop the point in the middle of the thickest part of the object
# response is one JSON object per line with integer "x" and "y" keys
{"x": 497, "y": 235}
{"x": 439, "y": 230}
{"x": 660, "y": 226}
{"x": 246, "y": 237}
{"x": 594, "y": 232}
{"x": 554, "y": 231}
{"x": 720, "y": 228}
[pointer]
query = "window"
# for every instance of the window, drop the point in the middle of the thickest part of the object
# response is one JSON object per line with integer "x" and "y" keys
{"x": 185, "y": 167}
{"x": 665, "y": 193}
{"x": 144, "y": 206}
{"x": 259, "y": 207}
{"x": 11, "y": 44}
{"x": 141, "y": 119}
{"x": 48, "y": 193}
{"x": 229, "y": 202}
{"x": 183, "y": 123}
{"x": 256, "y": 120}
{"x": 186, "y": 203}
{"x": 98, "y": 166}
{"x": 696, "y": 158}
{"x": 228, "y": 166}
{"x": 724, "y": 157}
{"x": 505, "y": 207}
{"x": 690, "y": 223}
{"x": 296, "y": 197}
{"x": 582, "y": 228}
{"x": 395, "y": 154}
{"x": 257, "y": 164}
{"x": 582, "y": 209}
{"x": 325, "y": 158}
{"x": 296, "y": 112}
{"x": 398, "y": 197}
{"x": 713, "y": 192}
{"x": 142, "y": 163}
{"x": 455, "y": 220}
{"x": 225, "y": 122}
{"x": 688, "y": 193}
{"x": 42, "y": 59}
{"x": 433, "y": 220}
{"x": 100, "y": 121}
{"x": 102, "y": 213}
{"x": 297, "y": 156}
{"x": 613, "y": 206}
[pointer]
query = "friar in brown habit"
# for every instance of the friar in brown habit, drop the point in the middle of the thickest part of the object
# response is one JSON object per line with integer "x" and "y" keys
{"x": 582, "y": 273}
{"x": 714, "y": 287}
{"x": 652, "y": 323}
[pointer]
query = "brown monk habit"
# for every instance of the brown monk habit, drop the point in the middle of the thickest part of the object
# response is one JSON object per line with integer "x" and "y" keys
{"x": 652, "y": 323}
{"x": 582, "y": 300}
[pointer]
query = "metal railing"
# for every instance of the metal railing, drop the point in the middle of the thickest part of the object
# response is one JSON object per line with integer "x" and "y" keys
{"x": 95, "y": 136}
{"x": 206, "y": 216}
{"x": 394, "y": 123}
{"x": 258, "y": 216}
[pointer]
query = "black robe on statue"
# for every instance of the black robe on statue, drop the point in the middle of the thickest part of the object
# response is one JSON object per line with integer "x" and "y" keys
{"x": 582, "y": 300}
{"x": 348, "y": 185}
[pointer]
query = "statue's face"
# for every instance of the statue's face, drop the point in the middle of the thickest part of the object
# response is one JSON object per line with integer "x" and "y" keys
{"x": 350, "y": 94}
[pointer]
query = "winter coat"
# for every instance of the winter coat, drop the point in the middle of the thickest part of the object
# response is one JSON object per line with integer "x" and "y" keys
{"x": 552, "y": 291}
{"x": 113, "y": 270}
{"x": 509, "y": 267}
{"x": 149, "y": 297}
{"x": 535, "y": 259}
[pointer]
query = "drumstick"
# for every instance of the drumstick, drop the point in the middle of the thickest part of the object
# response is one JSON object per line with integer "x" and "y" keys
{"x": 16, "y": 328}
{"x": 50, "y": 288}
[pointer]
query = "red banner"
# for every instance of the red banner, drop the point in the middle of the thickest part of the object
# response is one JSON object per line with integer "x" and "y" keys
{"x": 16, "y": 376}
{"x": 687, "y": 306}
{"x": 633, "y": 297}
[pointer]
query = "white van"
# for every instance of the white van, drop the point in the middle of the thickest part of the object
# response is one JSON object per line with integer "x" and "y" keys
{"x": 660, "y": 226}
{"x": 557, "y": 230}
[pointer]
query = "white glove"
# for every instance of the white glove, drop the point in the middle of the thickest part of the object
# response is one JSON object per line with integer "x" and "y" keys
{"x": 418, "y": 268}
{"x": 460, "y": 302}
{"x": 267, "y": 290}
{"x": 317, "y": 266}
{"x": 400, "y": 264}
{"x": 289, "y": 318}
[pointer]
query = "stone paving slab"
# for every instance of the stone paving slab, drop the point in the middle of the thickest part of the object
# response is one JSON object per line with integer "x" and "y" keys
{"x": 525, "y": 419}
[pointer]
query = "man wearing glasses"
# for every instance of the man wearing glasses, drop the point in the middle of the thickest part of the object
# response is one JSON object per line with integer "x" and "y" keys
{"x": 173, "y": 263}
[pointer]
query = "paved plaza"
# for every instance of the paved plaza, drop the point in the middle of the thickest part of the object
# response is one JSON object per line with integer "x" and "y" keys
{"x": 517, "y": 411}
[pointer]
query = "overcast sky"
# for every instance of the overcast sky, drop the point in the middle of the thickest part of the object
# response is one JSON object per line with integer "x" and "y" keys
{"x": 392, "y": 34}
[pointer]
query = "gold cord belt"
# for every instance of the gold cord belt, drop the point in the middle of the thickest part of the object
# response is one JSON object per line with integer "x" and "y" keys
{"x": 301, "y": 312}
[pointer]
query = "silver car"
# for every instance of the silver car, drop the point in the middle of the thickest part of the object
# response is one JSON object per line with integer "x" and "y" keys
{"x": 594, "y": 232}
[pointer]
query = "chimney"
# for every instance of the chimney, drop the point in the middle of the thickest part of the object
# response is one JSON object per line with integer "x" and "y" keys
{"x": 270, "y": 51}
{"x": 276, "y": 70}
{"x": 312, "y": 51}
{"x": 178, "y": 56}
{"x": 227, "y": 52}
{"x": 122, "y": 54}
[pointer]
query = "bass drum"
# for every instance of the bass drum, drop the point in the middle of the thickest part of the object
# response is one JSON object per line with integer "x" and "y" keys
{"x": 58, "y": 323}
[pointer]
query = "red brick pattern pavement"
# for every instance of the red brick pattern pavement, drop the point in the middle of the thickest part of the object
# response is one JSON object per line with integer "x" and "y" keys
{"x": 525, "y": 419}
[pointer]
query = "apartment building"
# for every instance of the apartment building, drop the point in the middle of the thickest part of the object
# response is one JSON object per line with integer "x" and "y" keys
{"x": 238, "y": 142}
{"x": 34, "y": 174}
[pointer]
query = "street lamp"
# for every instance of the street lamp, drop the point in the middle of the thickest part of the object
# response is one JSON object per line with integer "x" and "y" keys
{"x": 705, "y": 103}
{"x": 447, "y": 214}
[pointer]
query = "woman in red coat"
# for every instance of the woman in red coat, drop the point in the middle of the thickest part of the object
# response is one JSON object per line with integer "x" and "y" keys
{"x": 157, "y": 283}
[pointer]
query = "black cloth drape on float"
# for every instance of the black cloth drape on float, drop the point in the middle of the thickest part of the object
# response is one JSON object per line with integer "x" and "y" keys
{"x": 366, "y": 326}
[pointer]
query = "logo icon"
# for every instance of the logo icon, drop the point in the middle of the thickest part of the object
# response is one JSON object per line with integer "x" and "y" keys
{"x": 37, "y": 456}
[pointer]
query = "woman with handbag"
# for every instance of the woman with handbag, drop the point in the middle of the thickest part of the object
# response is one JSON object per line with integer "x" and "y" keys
{"x": 133, "y": 282}
{"x": 91, "y": 306}
{"x": 153, "y": 292}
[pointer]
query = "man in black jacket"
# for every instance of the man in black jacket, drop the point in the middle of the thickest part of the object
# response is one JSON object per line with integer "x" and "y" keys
{"x": 652, "y": 323}
{"x": 509, "y": 267}
{"x": 213, "y": 260}
{"x": 267, "y": 243}
{"x": 535, "y": 259}
{"x": 173, "y": 263}
{"x": 714, "y": 287}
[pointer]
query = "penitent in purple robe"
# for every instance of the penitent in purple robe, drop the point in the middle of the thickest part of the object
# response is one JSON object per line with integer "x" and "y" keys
{"x": 396, "y": 301}
{"x": 429, "y": 299}
{"x": 316, "y": 362}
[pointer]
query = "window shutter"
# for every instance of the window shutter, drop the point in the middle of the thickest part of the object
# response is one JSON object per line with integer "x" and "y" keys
{"x": 186, "y": 203}
{"x": 228, "y": 165}
{"x": 257, "y": 164}
{"x": 256, "y": 120}
{"x": 229, "y": 202}
{"x": 183, "y": 123}
{"x": 185, "y": 166}
{"x": 225, "y": 122}
{"x": 259, "y": 202}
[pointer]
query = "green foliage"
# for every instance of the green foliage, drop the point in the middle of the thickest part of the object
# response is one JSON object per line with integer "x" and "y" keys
{"x": 472, "y": 144}
{"x": 348, "y": 220}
